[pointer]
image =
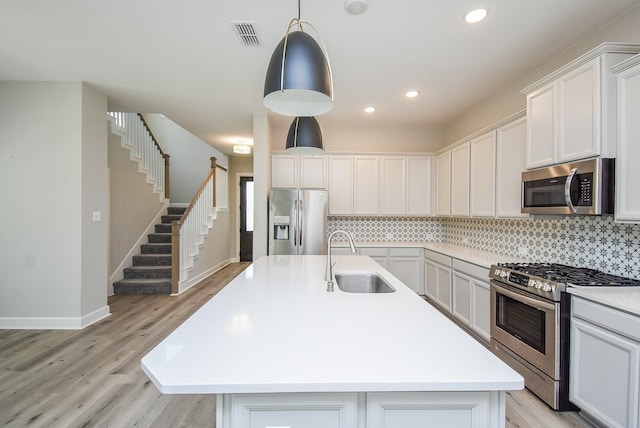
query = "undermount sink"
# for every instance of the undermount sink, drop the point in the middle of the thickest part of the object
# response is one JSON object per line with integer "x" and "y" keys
{"x": 362, "y": 283}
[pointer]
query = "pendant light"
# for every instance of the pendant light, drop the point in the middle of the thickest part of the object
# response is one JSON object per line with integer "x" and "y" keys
{"x": 299, "y": 80}
{"x": 305, "y": 136}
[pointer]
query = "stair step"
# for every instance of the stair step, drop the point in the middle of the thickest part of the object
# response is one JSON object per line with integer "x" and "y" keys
{"x": 163, "y": 228}
{"x": 176, "y": 210}
{"x": 147, "y": 272}
{"x": 168, "y": 219}
{"x": 155, "y": 248}
{"x": 142, "y": 286}
{"x": 152, "y": 260}
{"x": 159, "y": 238}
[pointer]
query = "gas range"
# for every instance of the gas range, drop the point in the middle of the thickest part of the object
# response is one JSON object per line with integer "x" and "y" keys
{"x": 549, "y": 280}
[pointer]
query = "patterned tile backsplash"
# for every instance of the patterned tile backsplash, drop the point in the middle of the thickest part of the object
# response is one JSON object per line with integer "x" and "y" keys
{"x": 586, "y": 241}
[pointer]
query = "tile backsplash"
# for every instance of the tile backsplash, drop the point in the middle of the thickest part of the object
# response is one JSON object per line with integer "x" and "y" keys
{"x": 586, "y": 241}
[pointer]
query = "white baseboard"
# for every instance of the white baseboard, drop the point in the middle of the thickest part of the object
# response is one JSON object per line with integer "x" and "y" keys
{"x": 54, "y": 323}
{"x": 191, "y": 282}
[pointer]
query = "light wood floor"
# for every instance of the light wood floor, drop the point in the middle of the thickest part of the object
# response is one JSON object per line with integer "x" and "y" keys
{"x": 92, "y": 377}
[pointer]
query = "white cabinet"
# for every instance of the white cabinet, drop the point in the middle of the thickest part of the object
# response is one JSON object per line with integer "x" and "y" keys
{"x": 443, "y": 183}
{"x": 419, "y": 186}
{"x": 293, "y": 171}
{"x": 511, "y": 142}
{"x": 340, "y": 185}
{"x": 379, "y": 255}
{"x": 406, "y": 265}
{"x": 627, "y": 171}
{"x": 365, "y": 185}
{"x": 470, "y": 302}
{"x": 393, "y": 185}
{"x": 571, "y": 112}
{"x": 482, "y": 183}
{"x": 311, "y": 410}
{"x": 460, "y": 180}
{"x": 438, "y": 279}
{"x": 605, "y": 363}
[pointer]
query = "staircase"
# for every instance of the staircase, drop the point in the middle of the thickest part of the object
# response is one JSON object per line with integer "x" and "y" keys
{"x": 151, "y": 270}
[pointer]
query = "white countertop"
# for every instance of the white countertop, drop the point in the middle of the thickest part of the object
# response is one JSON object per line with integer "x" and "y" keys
{"x": 622, "y": 298}
{"x": 275, "y": 328}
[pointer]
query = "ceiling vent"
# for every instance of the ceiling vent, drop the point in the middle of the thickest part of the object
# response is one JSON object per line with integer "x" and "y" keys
{"x": 247, "y": 33}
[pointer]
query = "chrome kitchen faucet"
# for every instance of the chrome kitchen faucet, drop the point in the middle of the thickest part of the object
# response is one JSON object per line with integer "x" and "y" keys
{"x": 328, "y": 273}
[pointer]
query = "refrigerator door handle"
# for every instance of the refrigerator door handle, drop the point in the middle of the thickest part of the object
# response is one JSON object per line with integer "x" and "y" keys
{"x": 301, "y": 216}
{"x": 295, "y": 222}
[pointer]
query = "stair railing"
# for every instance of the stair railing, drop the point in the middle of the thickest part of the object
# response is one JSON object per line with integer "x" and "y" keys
{"x": 188, "y": 233}
{"x": 143, "y": 144}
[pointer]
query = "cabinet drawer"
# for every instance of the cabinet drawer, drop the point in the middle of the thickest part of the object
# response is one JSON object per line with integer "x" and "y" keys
{"x": 405, "y": 252}
{"x": 373, "y": 252}
{"x": 437, "y": 257}
{"x": 604, "y": 316}
{"x": 470, "y": 269}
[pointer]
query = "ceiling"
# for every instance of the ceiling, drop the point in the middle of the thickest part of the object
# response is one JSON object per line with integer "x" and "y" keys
{"x": 183, "y": 58}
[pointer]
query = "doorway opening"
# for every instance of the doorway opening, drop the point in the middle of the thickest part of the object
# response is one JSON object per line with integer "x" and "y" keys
{"x": 246, "y": 219}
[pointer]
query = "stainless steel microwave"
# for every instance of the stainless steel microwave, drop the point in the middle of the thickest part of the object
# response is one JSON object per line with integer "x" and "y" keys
{"x": 585, "y": 187}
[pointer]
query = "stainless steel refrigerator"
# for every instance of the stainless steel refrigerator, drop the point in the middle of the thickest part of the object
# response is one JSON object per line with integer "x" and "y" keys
{"x": 298, "y": 221}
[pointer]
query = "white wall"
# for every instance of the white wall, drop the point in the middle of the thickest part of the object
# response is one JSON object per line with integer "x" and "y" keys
{"x": 190, "y": 157}
{"x": 49, "y": 144}
{"x": 261, "y": 181}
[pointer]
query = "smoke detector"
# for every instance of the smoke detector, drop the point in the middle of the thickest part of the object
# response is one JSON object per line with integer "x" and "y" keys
{"x": 355, "y": 7}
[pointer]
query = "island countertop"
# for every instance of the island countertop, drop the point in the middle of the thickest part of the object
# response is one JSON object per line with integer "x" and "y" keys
{"x": 275, "y": 328}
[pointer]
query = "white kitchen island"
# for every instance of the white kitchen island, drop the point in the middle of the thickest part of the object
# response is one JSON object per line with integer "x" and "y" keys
{"x": 281, "y": 351}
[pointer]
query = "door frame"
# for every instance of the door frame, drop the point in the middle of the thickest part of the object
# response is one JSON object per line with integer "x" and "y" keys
{"x": 236, "y": 256}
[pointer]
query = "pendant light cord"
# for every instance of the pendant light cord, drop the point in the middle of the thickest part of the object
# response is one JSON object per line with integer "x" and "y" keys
{"x": 298, "y": 10}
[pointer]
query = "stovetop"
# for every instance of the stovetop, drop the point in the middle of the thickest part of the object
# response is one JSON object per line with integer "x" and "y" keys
{"x": 550, "y": 280}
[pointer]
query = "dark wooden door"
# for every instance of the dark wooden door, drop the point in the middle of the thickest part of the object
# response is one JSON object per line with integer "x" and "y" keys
{"x": 246, "y": 219}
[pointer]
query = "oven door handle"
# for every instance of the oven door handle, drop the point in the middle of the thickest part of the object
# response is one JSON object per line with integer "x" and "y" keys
{"x": 536, "y": 303}
{"x": 567, "y": 190}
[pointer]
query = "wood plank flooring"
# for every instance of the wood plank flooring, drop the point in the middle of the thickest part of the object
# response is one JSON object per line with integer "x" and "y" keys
{"x": 92, "y": 377}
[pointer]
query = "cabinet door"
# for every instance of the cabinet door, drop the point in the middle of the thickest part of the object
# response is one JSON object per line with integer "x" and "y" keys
{"x": 443, "y": 281}
{"x": 313, "y": 172}
{"x": 482, "y": 183}
{"x": 461, "y": 298}
{"x": 430, "y": 280}
{"x": 406, "y": 265}
{"x": 481, "y": 308}
{"x": 340, "y": 185}
{"x": 460, "y": 180}
{"x": 604, "y": 378}
{"x": 511, "y": 143}
{"x": 365, "y": 184}
{"x": 579, "y": 113}
{"x": 443, "y": 183}
{"x": 284, "y": 171}
{"x": 392, "y": 185}
{"x": 628, "y": 147}
{"x": 541, "y": 127}
{"x": 419, "y": 186}
{"x": 379, "y": 255}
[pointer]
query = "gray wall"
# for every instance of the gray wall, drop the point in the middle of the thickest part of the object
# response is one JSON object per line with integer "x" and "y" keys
{"x": 53, "y": 175}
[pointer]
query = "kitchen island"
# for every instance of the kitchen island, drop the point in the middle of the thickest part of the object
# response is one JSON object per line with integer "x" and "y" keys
{"x": 279, "y": 350}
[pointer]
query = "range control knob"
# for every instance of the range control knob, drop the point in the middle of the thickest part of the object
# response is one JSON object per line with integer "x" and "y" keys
{"x": 532, "y": 283}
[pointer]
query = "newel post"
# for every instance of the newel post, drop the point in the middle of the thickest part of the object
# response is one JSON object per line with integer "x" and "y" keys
{"x": 213, "y": 171}
{"x": 175, "y": 256}
{"x": 166, "y": 175}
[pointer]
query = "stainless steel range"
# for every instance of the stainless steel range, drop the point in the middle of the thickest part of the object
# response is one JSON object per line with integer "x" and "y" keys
{"x": 530, "y": 315}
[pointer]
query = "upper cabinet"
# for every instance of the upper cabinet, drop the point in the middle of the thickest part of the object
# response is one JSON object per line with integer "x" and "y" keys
{"x": 365, "y": 185}
{"x": 419, "y": 185}
{"x": 627, "y": 172}
{"x": 482, "y": 182}
{"x": 340, "y": 185}
{"x": 294, "y": 171}
{"x": 460, "y": 180}
{"x": 571, "y": 112}
{"x": 393, "y": 185}
{"x": 443, "y": 183}
{"x": 511, "y": 142}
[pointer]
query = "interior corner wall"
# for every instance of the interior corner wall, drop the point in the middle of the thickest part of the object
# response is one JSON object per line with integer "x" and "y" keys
{"x": 41, "y": 182}
{"x": 509, "y": 100}
{"x": 262, "y": 138}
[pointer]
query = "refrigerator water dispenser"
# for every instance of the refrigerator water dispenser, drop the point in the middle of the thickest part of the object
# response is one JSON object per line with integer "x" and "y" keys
{"x": 281, "y": 227}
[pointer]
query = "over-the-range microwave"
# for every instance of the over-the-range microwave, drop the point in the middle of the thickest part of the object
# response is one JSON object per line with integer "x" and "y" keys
{"x": 584, "y": 187}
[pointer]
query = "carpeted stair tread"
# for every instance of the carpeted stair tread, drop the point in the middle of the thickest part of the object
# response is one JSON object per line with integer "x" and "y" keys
{"x": 162, "y": 228}
{"x": 159, "y": 238}
{"x": 152, "y": 260}
{"x": 168, "y": 219}
{"x": 155, "y": 248}
{"x": 147, "y": 272}
{"x": 176, "y": 210}
{"x": 142, "y": 286}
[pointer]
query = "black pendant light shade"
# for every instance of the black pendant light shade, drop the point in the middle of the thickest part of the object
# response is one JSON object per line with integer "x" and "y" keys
{"x": 298, "y": 80}
{"x": 305, "y": 135}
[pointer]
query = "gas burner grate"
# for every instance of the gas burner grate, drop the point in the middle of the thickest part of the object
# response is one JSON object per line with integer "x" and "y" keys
{"x": 563, "y": 274}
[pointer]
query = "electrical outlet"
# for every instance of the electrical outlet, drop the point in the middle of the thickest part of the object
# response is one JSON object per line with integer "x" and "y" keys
{"x": 523, "y": 251}
{"x": 428, "y": 236}
{"x": 465, "y": 239}
{"x": 389, "y": 236}
{"x": 97, "y": 216}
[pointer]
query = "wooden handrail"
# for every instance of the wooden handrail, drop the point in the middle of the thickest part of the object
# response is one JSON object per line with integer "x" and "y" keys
{"x": 153, "y": 138}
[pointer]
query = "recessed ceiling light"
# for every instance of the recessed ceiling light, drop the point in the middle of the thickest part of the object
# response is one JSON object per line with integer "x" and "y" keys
{"x": 411, "y": 94}
{"x": 241, "y": 149}
{"x": 370, "y": 109}
{"x": 355, "y": 7}
{"x": 475, "y": 16}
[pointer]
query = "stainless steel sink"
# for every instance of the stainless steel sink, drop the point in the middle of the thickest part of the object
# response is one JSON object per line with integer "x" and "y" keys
{"x": 363, "y": 283}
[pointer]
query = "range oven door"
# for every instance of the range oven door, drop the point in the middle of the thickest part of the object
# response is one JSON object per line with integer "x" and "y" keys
{"x": 528, "y": 326}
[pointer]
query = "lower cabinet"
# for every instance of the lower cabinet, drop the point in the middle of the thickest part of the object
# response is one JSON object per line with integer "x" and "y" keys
{"x": 438, "y": 279}
{"x": 605, "y": 363}
{"x": 403, "y": 263}
{"x": 379, "y": 255}
{"x": 360, "y": 410}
